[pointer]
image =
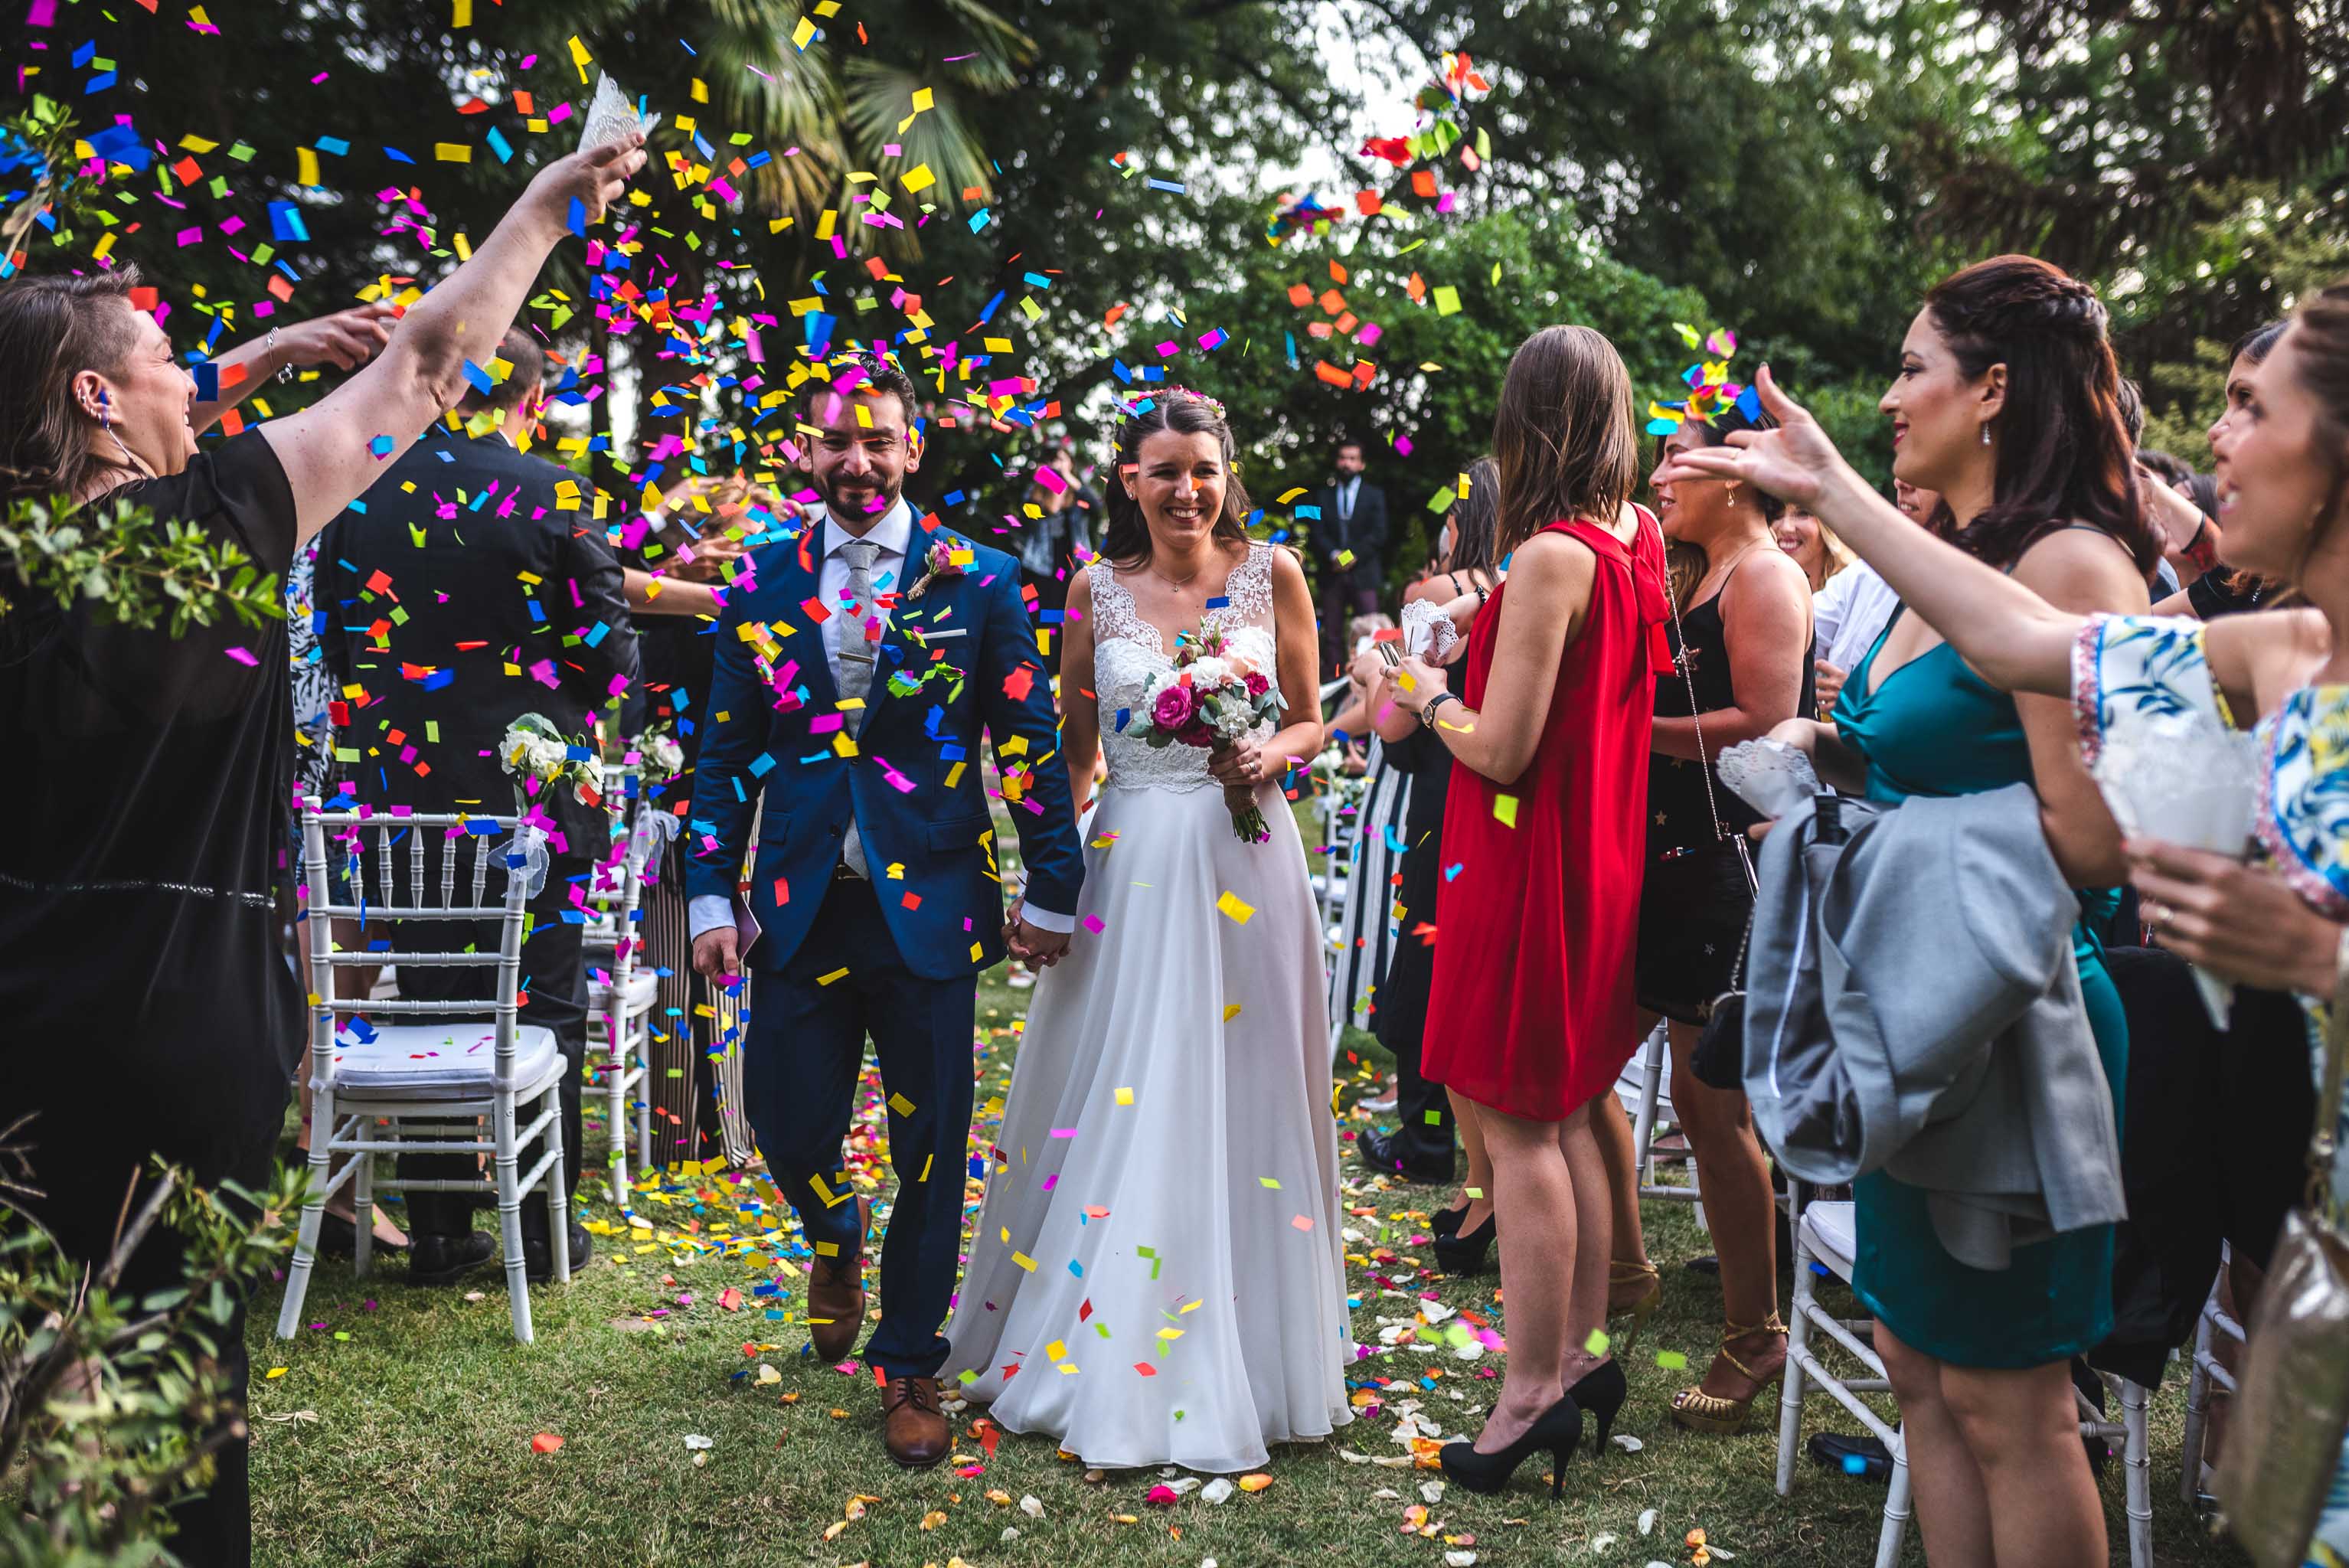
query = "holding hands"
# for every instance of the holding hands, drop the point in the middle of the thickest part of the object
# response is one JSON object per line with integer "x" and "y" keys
{"x": 1032, "y": 944}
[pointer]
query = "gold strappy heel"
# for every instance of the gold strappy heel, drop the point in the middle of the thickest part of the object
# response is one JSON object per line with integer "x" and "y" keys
{"x": 1702, "y": 1412}
{"x": 1641, "y": 1310}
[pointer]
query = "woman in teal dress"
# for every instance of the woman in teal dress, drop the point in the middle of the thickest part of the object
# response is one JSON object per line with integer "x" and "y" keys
{"x": 1935, "y": 727}
{"x": 2006, "y": 404}
{"x": 2279, "y": 918}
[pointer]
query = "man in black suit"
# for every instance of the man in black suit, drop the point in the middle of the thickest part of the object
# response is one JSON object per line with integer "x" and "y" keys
{"x": 1349, "y": 542}
{"x": 473, "y": 584}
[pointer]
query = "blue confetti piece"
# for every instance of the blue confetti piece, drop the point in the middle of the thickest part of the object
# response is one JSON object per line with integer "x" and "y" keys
{"x": 380, "y": 446}
{"x": 480, "y": 378}
{"x": 333, "y": 144}
{"x": 286, "y": 223}
{"x": 1453, "y": 869}
{"x": 498, "y": 145}
{"x": 1219, "y": 602}
{"x": 207, "y": 377}
{"x": 578, "y": 218}
{"x": 397, "y": 156}
{"x": 1157, "y": 184}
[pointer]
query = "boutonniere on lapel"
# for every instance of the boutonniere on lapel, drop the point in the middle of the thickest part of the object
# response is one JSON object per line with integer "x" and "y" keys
{"x": 946, "y": 558}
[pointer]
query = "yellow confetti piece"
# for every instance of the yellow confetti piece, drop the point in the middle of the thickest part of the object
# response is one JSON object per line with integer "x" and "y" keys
{"x": 1505, "y": 807}
{"x": 828, "y": 979}
{"x": 453, "y": 152}
{"x": 1271, "y": 1181}
{"x": 305, "y": 166}
{"x": 1125, "y": 1097}
{"x": 1024, "y": 1261}
{"x": 901, "y": 1105}
{"x": 1231, "y": 905}
{"x": 463, "y": 14}
{"x": 274, "y": 1372}
{"x": 918, "y": 179}
{"x": 925, "y": 98}
{"x": 801, "y": 33}
{"x": 1447, "y": 299}
{"x": 1231, "y": 1011}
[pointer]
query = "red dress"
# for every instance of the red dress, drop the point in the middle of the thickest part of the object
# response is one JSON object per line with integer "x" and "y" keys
{"x": 1530, "y": 1010}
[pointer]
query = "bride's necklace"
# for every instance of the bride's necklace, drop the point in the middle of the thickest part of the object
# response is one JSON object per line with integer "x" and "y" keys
{"x": 1177, "y": 583}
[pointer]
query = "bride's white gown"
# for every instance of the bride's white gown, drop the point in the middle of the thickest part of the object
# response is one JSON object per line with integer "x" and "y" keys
{"x": 1155, "y": 1276}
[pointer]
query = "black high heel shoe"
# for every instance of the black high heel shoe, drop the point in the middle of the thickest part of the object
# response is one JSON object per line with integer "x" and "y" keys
{"x": 1466, "y": 1253}
{"x": 1446, "y": 1222}
{"x": 1557, "y": 1432}
{"x": 1600, "y": 1393}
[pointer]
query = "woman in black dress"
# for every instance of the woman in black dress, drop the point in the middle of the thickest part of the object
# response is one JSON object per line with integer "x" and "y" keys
{"x": 1741, "y": 642}
{"x": 1420, "y": 1149}
{"x": 146, "y": 1008}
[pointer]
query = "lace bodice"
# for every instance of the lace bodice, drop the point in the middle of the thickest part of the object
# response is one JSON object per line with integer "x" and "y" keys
{"x": 1128, "y": 651}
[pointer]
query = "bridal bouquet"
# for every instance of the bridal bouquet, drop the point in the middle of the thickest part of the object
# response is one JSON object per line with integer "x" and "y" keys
{"x": 535, "y": 753}
{"x": 1211, "y": 696}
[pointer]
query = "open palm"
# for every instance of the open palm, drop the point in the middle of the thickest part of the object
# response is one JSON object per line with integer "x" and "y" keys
{"x": 1793, "y": 462}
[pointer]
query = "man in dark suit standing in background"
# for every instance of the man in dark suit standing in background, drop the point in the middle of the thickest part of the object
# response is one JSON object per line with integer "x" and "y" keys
{"x": 1349, "y": 545}
{"x": 473, "y": 584}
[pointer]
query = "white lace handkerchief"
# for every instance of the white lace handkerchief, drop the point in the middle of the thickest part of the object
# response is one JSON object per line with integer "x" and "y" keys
{"x": 2187, "y": 780}
{"x": 1427, "y": 630}
{"x": 1768, "y": 775}
{"x": 609, "y": 113}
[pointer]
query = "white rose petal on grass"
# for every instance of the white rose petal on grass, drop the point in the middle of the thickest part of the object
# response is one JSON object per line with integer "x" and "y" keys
{"x": 1183, "y": 1485}
{"x": 696, "y": 1440}
{"x": 1648, "y": 1522}
{"x": 1601, "y": 1543}
{"x": 1459, "y": 1560}
{"x": 1218, "y": 1491}
{"x": 1032, "y": 1506}
{"x": 1628, "y": 1443}
{"x": 1010, "y": 1533}
{"x": 1430, "y": 1492}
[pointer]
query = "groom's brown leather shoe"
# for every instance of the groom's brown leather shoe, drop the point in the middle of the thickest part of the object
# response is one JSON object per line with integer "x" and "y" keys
{"x": 835, "y": 1296}
{"x": 914, "y": 1427}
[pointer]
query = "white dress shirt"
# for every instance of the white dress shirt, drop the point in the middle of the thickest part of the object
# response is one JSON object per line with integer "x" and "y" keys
{"x": 1850, "y": 613}
{"x": 892, "y": 535}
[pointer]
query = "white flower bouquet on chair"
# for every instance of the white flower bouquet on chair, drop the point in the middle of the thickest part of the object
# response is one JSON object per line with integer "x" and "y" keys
{"x": 539, "y": 757}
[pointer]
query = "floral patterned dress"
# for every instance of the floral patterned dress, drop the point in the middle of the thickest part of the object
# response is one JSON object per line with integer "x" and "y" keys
{"x": 2127, "y": 667}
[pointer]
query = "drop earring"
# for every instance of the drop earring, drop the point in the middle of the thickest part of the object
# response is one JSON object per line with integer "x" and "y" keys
{"x": 1985, "y": 430}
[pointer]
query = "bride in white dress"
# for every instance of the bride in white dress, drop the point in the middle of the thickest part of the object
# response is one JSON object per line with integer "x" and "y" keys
{"x": 1155, "y": 1276}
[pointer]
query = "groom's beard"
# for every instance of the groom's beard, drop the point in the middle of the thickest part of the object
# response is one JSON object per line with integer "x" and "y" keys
{"x": 850, "y": 503}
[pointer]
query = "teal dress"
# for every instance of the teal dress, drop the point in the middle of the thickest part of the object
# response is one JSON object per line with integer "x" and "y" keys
{"x": 1935, "y": 727}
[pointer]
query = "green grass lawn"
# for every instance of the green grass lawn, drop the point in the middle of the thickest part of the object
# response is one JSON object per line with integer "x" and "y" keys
{"x": 400, "y": 1428}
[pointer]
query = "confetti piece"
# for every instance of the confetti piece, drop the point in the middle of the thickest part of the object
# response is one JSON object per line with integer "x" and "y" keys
{"x": 1235, "y": 908}
{"x": 544, "y": 1443}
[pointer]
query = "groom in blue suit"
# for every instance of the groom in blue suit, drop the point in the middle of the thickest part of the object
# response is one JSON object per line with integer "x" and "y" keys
{"x": 857, "y": 670}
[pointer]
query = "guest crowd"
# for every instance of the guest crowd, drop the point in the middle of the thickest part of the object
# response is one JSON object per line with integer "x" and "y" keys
{"x": 1549, "y": 863}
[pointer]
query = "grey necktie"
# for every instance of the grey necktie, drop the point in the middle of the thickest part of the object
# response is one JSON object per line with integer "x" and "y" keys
{"x": 855, "y": 670}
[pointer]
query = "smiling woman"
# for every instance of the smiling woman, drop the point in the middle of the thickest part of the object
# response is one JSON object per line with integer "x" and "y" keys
{"x": 145, "y": 1008}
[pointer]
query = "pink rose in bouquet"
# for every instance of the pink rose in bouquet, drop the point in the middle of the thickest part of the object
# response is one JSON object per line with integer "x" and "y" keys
{"x": 1210, "y": 697}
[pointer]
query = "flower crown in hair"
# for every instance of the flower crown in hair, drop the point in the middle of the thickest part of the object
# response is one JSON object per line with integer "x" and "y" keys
{"x": 1710, "y": 392}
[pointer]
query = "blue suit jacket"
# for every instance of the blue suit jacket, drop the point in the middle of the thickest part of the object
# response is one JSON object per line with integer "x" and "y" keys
{"x": 959, "y": 660}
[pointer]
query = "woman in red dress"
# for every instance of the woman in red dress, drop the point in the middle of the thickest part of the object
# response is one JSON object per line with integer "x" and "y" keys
{"x": 1531, "y": 1006}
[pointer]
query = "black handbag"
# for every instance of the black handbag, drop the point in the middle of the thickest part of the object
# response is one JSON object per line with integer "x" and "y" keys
{"x": 1696, "y": 910}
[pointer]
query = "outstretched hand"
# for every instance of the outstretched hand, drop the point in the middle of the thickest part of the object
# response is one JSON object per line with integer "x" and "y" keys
{"x": 346, "y": 340}
{"x": 1794, "y": 462}
{"x": 594, "y": 176}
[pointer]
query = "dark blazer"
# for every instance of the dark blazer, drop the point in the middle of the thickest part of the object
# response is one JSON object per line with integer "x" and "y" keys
{"x": 956, "y": 664}
{"x": 1365, "y": 534}
{"x": 459, "y": 605}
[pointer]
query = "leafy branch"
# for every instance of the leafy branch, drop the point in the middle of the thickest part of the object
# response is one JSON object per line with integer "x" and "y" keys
{"x": 113, "y": 1407}
{"x": 134, "y": 570}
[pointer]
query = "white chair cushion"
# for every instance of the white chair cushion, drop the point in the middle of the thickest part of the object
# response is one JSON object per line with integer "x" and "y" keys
{"x": 1832, "y": 1232}
{"x": 642, "y": 990}
{"x": 441, "y": 1060}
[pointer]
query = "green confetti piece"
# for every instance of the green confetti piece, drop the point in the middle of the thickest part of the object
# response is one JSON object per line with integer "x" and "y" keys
{"x": 1598, "y": 1342}
{"x": 1671, "y": 1360}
